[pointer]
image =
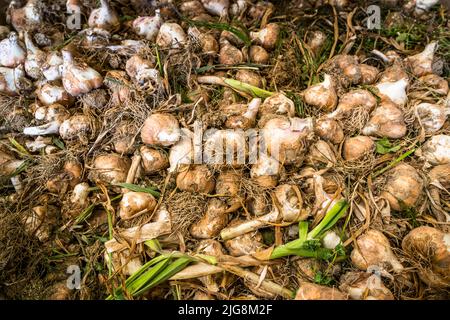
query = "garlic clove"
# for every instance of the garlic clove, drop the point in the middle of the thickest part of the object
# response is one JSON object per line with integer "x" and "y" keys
{"x": 148, "y": 27}
{"x": 421, "y": 63}
{"x": 357, "y": 147}
{"x": 258, "y": 55}
{"x": 50, "y": 94}
{"x": 330, "y": 130}
{"x": 435, "y": 151}
{"x": 153, "y": 160}
{"x": 322, "y": 95}
{"x": 134, "y": 204}
{"x": 432, "y": 116}
{"x": 266, "y": 37}
{"x": 171, "y": 35}
{"x": 217, "y": 7}
{"x": 35, "y": 58}
{"x": 386, "y": 121}
{"x": 78, "y": 78}
{"x": 104, "y": 17}
{"x": 51, "y": 67}
{"x": 11, "y": 52}
{"x": 160, "y": 129}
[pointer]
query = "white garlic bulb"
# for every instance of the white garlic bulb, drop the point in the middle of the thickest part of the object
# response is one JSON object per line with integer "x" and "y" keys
{"x": 395, "y": 91}
{"x": 171, "y": 35}
{"x": 51, "y": 68}
{"x": 266, "y": 37}
{"x": 386, "y": 121}
{"x": 11, "y": 52}
{"x": 432, "y": 116}
{"x": 217, "y": 7}
{"x": 75, "y": 127}
{"x": 104, "y": 17}
{"x": 26, "y": 18}
{"x": 35, "y": 58}
{"x": 148, "y": 27}
{"x": 435, "y": 151}
{"x": 11, "y": 80}
{"x": 422, "y": 63}
{"x": 143, "y": 74}
{"x": 52, "y": 93}
{"x": 322, "y": 95}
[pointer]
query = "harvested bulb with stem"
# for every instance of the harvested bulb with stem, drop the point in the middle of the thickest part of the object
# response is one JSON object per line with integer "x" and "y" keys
{"x": 386, "y": 121}
{"x": 134, "y": 204}
{"x": 104, "y": 17}
{"x": 422, "y": 63}
{"x": 266, "y": 37}
{"x": 160, "y": 129}
{"x": 322, "y": 95}
{"x": 35, "y": 58}
{"x": 213, "y": 221}
{"x": 435, "y": 150}
{"x": 11, "y": 52}
{"x": 148, "y": 27}
{"x": 241, "y": 116}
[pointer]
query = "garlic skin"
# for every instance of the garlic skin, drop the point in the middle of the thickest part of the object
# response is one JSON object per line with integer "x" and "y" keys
{"x": 11, "y": 80}
{"x": 395, "y": 91}
{"x": 51, "y": 68}
{"x": 322, "y": 95}
{"x": 347, "y": 67}
{"x": 241, "y": 116}
{"x": 143, "y": 74}
{"x": 35, "y": 58}
{"x": 192, "y": 8}
{"x": 196, "y": 178}
{"x": 213, "y": 221}
{"x": 432, "y": 116}
{"x": 320, "y": 153}
{"x": 80, "y": 194}
{"x": 421, "y": 63}
{"x": 110, "y": 168}
{"x": 329, "y": 130}
{"x": 364, "y": 286}
{"x": 104, "y": 17}
{"x": 76, "y": 127}
{"x": 181, "y": 153}
{"x": 357, "y": 147}
{"x": 248, "y": 243}
{"x": 435, "y": 151}
{"x": 78, "y": 78}
{"x": 228, "y": 185}
{"x": 160, "y": 129}
{"x": 11, "y": 53}
{"x": 438, "y": 182}
{"x": 352, "y": 100}
{"x": 368, "y": 74}
{"x": 229, "y": 54}
{"x": 373, "y": 249}
{"x": 26, "y": 18}
{"x": 403, "y": 184}
{"x": 148, "y": 27}
{"x": 266, "y": 37}
{"x": 258, "y": 55}
{"x": 153, "y": 160}
{"x": 171, "y": 35}
{"x": 50, "y": 94}
{"x": 278, "y": 104}
{"x": 134, "y": 204}
{"x": 217, "y": 7}
{"x": 386, "y": 121}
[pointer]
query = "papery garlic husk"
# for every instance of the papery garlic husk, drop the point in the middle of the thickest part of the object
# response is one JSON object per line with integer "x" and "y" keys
{"x": 182, "y": 152}
{"x": 435, "y": 151}
{"x": 211, "y": 248}
{"x": 141, "y": 71}
{"x": 249, "y": 243}
{"x": 438, "y": 84}
{"x": 372, "y": 250}
{"x": 110, "y": 168}
{"x": 148, "y": 26}
{"x": 364, "y": 286}
{"x": 386, "y": 121}
{"x": 258, "y": 55}
{"x": 134, "y": 204}
{"x": 278, "y": 104}
{"x": 432, "y": 246}
{"x": 228, "y": 186}
{"x": 361, "y": 101}
{"x": 357, "y": 147}
{"x": 225, "y": 147}
{"x": 28, "y": 17}
{"x": 12, "y": 81}
{"x": 403, "y": 187}
{"x": 78, "y": 78}
{"x": 320, "y": 153}
{"x": 153, "y": 160}
{"x": 311, "y": 291}
{"x": 229, "y": 54}
{"x": 422, "y": 64}
{"x": 217, "y": 7}
{"x": 432, "y": 116}
{"x": 8, "y": 164}
{"x": 171, "y": 35}
{"x": 323, "y": 200}
{"x": 35, "y": 58}
{"x": 266, "y": 37}
{"x": 368, "y": 74}
{"x": 123, "y": 262}
{"x": 50, "y": 94}
{"x": 322, "y": 95}
{"x": 196, "y": 178}
{"x": 249, "y": 77}
{"x": 78, "y": 127}
{"x": 289, "y": 203}
{"x": 11, "y": 52}
{"x": 123, "y": 137}
{"x": 213, "y": 221}
{"x": 51, "y": 68}
{"x": 160, "y": 129}
{"x": 104, "y": 17}
{"x": 329, "y": 129}
{"x": 241, "y": 116}
{"x": 226, "y": 35}
{"x": 266, "y": 171}
{"x": 284, "y": 138}
{"x": 395, "y": 91}
{"x": 394, "y": 73}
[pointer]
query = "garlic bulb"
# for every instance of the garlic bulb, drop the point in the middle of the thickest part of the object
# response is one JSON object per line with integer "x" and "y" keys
{"x": 207, "y": 41}
{"x": 331, "y": 240}
{"x": 352, "y": 100}
{"x": 191, "y": 8}
{"x": 68, "y": 178}
{"x": 438, "y": 84}
{"x": 322, "y": 95}
{"x": 403, "y": 187}
{"x": 229, "y": 54}
{"x": 311, "y": 291}
{"x": 78, "y": 78}
{"x": 181, "y": 153}
{"x": 245, "y": 244}
{"x": 35, "y": 58}
{"x": 134, "y": 204}
{"x": 50, "y": 94}
{"x": 435, "y": 151}
{"x": 347, "y": 66}
{"x": 12, "y": 80}
{"x": 357, "y": 147}
{"x": 228, "y": 185}
{"x": 364, "y": 286}
{"x": 250, "y": 77}
{"x": 214, "y": 220}
{"x": 224, "y": 147}
{"x": 104, "y": 17}
{"x": 196, "y": 178}
{"x": 26, "y": 18}
{"x": 422, "y": 6}
{"x": 320, "y": 153}
{"x": 330, "y": 130}
{"x": 51, "y": 68}
{"x": 265, "y": 172}
{"x": 368, "y": 74}
{"x": 422, "y": 64}
{"x": 160, "y": 129}
{"x": 241, "y": 116}
{"x": 372, "y": 249}
{"x": 53, "y": 116}
{"x": 266, "y": 37}
{"x": 110, "y": 168}
{"x": 258, "y": 55}
{"x": 11, "y": 52}
{"x": 141, "y": 71}
{"x": 76, "y": 127}
{"x": 386, "y": 121}
{"x": 171, "y": 35}
{"x": 278, "y": 104}
{"x": 80, "y": 194}
{"x": 395, "y": 91}
{"x": 432, "y": 116}
{"x": 316, "y": 41}
{"x": 148, "y": 27}
{"x": 153, "y": 160}
{"x": 438, "y": 183}
{"x": 217, "y": 7}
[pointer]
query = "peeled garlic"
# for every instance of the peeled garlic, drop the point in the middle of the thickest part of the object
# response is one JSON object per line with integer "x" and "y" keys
{"x": 11, "y": 53}
{"x": 322, "y": 95}
{"x": 50, "y": 94}
{"x": 266, "y": 37}
{"x": 78, "y": 78}
{"x": 432, "y": 116}
{"x": 134, "y": 204}
{"x": 330, "y": 130}
{"x": 110, "y": 168}
{"x": 171, "y": 35}
{"x": 148, "y": 26}
{"x": 104, "y": 17}
{"x": 386, "y": 121}
{"x": 76, "y": 127}
{"x": 422, "y": 64}
{"x": 435, "y": 151}
{"x": 35, "y": 58}
{"x": 357, "y": 147}
{"x": 160, "y": 129}
{"x": 51, "y": 68}
{"x": 196, "y": 178}
{"x": 216, "y": 7}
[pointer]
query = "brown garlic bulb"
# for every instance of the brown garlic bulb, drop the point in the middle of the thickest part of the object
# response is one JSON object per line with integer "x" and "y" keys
{"x": 214, "y": 220}
{"x": 266, "y": 171}
{"x": 249, "y": 77}
{"x": 368, "y": 74}
{"x": 311, "y": 291}
{"x": 110, "y": 168}
{"x": 330, "y": 130}
{"x": 104, "y": 17}
{"x": 364, "y": 286}
{"x": 160, "y": 129}
{"x": 432, "y": 116}
{"x": 229, "y": 54}
{"x": 438, "y": 84}
{"x": 322, "y": 95}
{"x": 266, "y": 37}
{"x": 357, "y": 147}
{"x": 245, "y": 244}
{"x": 352, "y": 100}
{"x": 258, "y": 55}
{"x": 386, "y": 121}
{"x": 278, "y": 104}
{"x": 348, "y": 68}
{"x": 171, "y": 35}
{"x": 422, "y": 63}
{"x": 241, "y": 116}
{"x": 196, "y": 178}
{"x": 134, "y": 204}
{"x": 153, "y": 160}
{"x": 228, "y": 185}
